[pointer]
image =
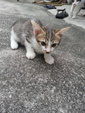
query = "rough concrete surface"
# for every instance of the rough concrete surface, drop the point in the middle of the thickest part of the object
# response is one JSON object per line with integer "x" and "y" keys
{"x": 32, "y": 86}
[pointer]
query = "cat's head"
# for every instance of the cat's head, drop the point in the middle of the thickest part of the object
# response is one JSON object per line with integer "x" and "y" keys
{"x": 48, "y": 39}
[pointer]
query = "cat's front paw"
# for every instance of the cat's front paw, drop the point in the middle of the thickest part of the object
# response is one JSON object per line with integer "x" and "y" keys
{"x": 49, "y": 59}
{"x": 30, "y": 55}
{"x": 14, "y": 45}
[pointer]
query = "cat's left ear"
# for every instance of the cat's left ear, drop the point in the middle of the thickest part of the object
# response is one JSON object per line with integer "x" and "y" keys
{"x": 61, "y": 31}
{"x": 37, "y": 28}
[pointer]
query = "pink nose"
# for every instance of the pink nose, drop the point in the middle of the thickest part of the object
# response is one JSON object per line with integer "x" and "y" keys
{"x": 47, "y": 52}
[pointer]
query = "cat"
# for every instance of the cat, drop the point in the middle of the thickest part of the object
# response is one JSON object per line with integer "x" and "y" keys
{"x": 36, "y": 38}
{"x": 76, "y": 7}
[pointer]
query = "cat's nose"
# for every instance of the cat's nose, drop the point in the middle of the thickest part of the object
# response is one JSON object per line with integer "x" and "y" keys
{"x": 47, "y": 52}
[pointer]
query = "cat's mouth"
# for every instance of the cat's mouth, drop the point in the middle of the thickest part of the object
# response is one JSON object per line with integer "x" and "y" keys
{"x": 46, "y": 52}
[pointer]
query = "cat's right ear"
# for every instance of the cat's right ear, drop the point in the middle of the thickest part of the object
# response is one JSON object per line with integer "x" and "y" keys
{"x": 61, "y": 31}
{"x": 37, "y": 29}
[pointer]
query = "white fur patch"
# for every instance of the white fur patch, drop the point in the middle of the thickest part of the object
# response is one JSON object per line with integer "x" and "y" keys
{"x": 13, "y": 40}
{"x": 30, "y": 54}
{"x": 48, "y": 49}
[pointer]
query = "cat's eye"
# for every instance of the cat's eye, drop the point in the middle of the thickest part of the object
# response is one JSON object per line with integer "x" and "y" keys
{"x": 43, "y": 43}
{"x": 38, "y": 41}
{"x": 53, "y": 45}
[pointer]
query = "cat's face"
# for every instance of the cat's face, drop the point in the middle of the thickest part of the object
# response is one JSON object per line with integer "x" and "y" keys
{"x": 47, "y": 38}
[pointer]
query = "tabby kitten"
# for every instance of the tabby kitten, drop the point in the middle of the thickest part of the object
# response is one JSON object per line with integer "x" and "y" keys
{"x": 35, "y": 38}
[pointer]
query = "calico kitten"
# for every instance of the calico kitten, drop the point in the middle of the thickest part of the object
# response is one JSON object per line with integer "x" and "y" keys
{"x": 35, "y": 38}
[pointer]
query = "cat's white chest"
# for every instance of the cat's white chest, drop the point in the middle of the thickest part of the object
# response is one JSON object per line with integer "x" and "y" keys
{"x": 35, "y": 45}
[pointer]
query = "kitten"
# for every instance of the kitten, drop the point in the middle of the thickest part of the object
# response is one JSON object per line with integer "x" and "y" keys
{"x": 76, "y": 7}
{"x": 35, "y": 38}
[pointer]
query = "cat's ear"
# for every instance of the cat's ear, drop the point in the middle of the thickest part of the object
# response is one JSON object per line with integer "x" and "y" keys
{"x": 37, "y": 29}
{"x": 61, "y": 31}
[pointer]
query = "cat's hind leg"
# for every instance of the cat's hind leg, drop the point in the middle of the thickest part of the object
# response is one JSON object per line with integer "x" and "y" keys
{"x": 13, "y": 40}
{"x": 30, "y": 54}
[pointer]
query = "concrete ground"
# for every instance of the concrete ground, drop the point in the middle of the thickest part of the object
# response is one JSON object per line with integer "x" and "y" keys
{"x": 32, "y": 86}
